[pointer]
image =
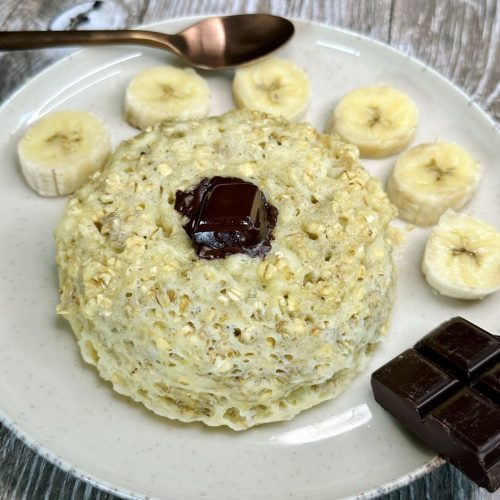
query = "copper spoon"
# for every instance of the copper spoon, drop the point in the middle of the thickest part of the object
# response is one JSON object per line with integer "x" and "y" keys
{"x": 214, "y": 43}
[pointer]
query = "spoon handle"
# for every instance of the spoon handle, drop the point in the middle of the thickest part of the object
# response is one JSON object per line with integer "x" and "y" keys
{"x": 20, "y": 40}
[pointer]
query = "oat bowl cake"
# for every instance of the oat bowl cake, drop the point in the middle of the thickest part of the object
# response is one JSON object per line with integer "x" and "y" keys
{"x": 240, "y": 340}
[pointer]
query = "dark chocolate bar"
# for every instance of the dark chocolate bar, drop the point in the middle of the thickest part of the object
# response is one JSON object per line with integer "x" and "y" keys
{"x": 446, "y": 390}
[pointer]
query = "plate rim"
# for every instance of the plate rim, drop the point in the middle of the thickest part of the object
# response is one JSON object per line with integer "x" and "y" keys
{"x": 109, "y": 487}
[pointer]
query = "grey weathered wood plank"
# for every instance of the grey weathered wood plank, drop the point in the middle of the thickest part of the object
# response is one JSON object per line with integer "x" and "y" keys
{"x": 459, "y": 38}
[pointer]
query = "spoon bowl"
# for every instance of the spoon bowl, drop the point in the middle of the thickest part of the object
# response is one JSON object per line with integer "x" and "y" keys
{"x": 223, "y": 42}
{"x": 214, "y": 43}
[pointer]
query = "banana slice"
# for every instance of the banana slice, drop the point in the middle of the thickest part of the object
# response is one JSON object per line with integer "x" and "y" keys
{"x": 380, "y": 120}
{"x": 275, "y": 86}
{"x": 166, "y": 93}
{"x": 61, "y": 150}
{"x": 462, "y": 257}
{"x": 430, "y": 178}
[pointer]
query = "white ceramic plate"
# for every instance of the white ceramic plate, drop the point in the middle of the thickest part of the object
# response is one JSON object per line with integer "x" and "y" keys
{"x": 59, "y": 406}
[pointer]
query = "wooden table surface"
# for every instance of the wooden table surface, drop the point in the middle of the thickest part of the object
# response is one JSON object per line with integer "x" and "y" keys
{"x": 459, "y": 38}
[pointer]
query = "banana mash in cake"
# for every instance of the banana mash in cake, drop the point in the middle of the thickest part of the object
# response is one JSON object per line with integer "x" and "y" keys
{"x": 243, "y": 339}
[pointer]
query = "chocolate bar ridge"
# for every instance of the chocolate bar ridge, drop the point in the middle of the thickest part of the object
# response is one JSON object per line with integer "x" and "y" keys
{"x": 446, "y": 390}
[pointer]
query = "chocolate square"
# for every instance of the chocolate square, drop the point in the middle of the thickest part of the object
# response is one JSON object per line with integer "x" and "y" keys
{"x": 234, "y": 206}
{"x": 227, "y": 215}
{"x": 466, "y": 429}
{"x": 414, "y": 384}
{"x": 461, "y": 347}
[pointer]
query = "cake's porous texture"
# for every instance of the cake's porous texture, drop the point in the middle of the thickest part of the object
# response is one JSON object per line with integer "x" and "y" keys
{"x": 241, "y": 340}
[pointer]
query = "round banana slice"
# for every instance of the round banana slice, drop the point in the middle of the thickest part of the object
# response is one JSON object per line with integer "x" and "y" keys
{"x": 166, "y": 93}
{"x": 462, "y": 257}
{"x": 275, "y": 86}
{"x": 380, "y": 120}
{"x": 430, "y": 178}
{"x": 61, "y": 150}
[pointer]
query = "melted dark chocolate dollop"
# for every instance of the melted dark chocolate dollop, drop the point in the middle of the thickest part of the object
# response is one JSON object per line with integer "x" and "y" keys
{"x": 227, "y": 215}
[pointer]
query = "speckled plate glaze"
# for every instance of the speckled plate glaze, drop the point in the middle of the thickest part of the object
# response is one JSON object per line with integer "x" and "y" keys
{"x": 348, "y": 447}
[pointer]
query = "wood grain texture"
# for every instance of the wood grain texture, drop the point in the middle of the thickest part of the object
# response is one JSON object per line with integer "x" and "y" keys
{"x": 459, "y": 38}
